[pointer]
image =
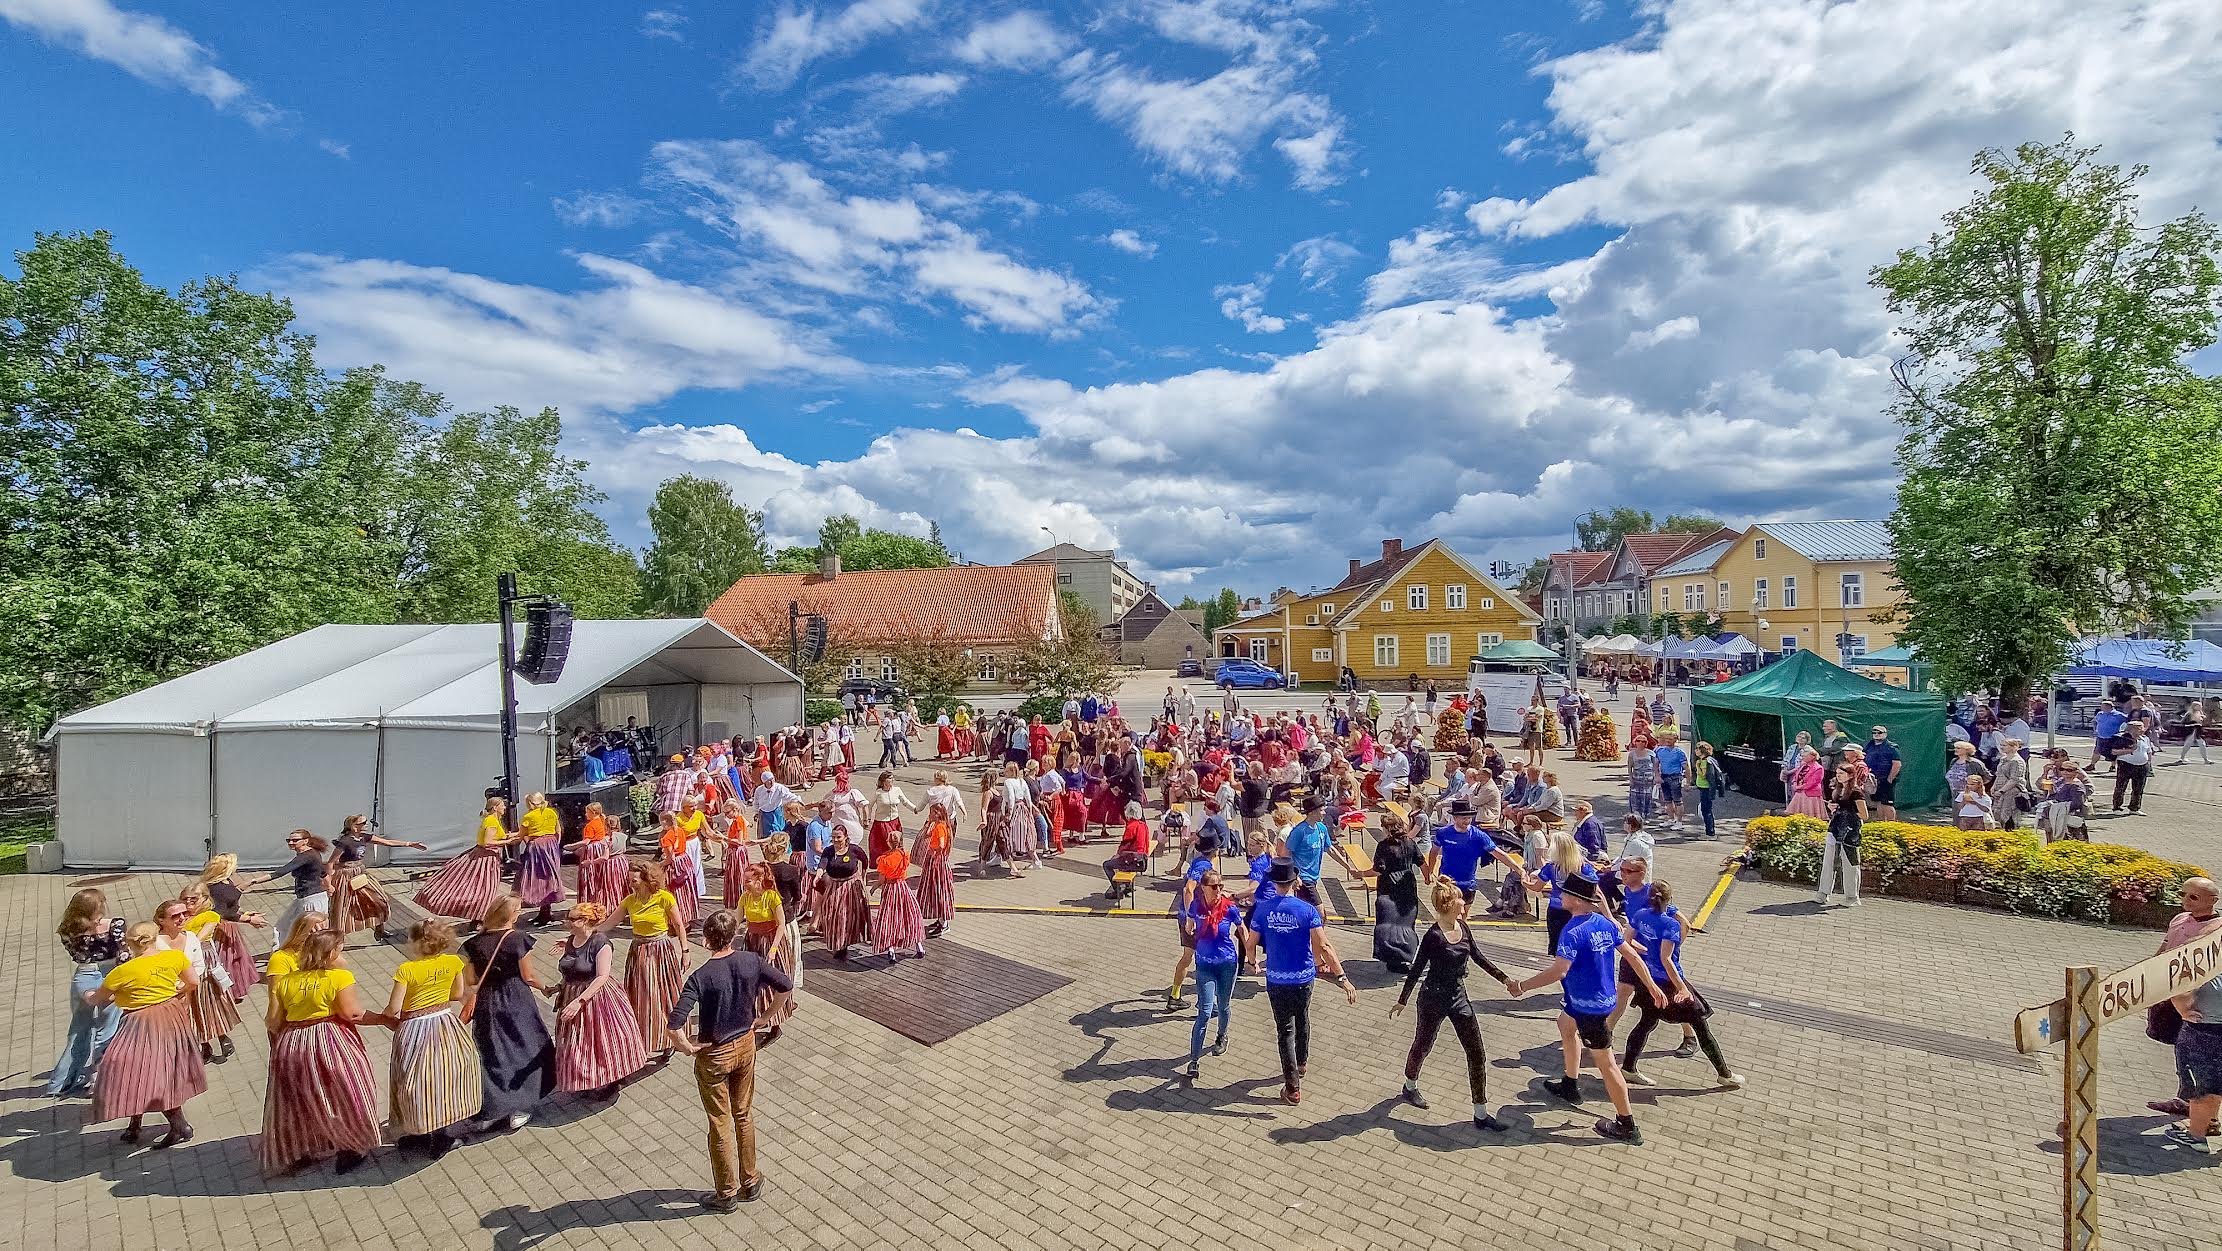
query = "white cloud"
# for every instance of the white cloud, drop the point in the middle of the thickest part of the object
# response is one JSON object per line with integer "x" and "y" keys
{"x": 1020, "y": 40}
{"x": 599, "y": 208}
{"x": 1128, "y": 241}
{"x": 1319, "y": 260}
{"x": 335, "y": 147}
{"x": 1245, "y": 302}
{"x": 144, "y": 46}
{"x": 664, "y": 24}
{"x": 883, "y": 95}
{"x": 794, "y": 37}
{"x": 1684, "y": 327}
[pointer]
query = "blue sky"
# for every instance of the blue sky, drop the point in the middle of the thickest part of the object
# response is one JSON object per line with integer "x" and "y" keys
{"x": 1239, "y": 287}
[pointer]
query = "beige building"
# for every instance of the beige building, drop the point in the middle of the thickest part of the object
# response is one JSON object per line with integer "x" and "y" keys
{"x": 1100, "y": 579}
{"x": 1808, "y": 581}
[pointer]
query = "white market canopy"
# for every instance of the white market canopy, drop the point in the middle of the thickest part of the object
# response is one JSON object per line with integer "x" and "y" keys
{"x": 1619, "y": 645}
{"x": 401, "y": 722}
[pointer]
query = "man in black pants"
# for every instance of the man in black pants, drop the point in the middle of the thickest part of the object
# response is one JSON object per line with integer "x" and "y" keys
{"x": 724, "y": 1051}
{"x": 1291, "y": 945}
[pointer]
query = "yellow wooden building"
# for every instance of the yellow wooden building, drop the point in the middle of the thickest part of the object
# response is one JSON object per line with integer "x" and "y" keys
{"x": 1422, "y": 610}
{"x": 1808, "y": 581}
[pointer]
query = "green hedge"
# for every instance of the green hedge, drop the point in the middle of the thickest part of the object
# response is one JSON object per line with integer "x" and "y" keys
{"x": 820, "y": 711}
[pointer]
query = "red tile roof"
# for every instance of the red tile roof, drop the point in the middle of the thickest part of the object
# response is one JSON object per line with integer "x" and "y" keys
{"x": 972, "y": 603}
{"x": 1659, "y": 549}
{"x": 1582, "y": 568}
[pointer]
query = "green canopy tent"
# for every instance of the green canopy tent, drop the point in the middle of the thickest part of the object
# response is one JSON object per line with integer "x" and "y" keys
{"x": 1519, "y": 652}
{"x": 1765, "y": 710}
{"x": 1917, "y": 670}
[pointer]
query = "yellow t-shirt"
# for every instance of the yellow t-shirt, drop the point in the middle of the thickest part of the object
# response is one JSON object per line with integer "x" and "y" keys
{"x": 647, "y": 917}
{"x": 306, "y": 996}
{"x": 537, "y": 822}
{"x": 144, "y": 981}
{"x": 281, "y": 963}
{"x": 429, "y": 982}
{"x": 490, "y": 830}
{"x": 691, "y": 822}
{"x": 757, "y": 906}
{"x": 203, "y": 923}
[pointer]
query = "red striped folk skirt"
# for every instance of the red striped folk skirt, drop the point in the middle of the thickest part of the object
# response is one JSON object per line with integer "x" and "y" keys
{"x": 734, "y": 875}
{"x": 655, "y": 970}
{"x": 845, "y": 917}
{"x": 322, "y": 1100}
{"x": 601, "y": 1043}
{"x": 153, "y": 1063}
{"x": 540, "y": 872}
{"x": 898, "y": 926}
{"x": 214, "y": 1013}
{"x": 937, "y": 887}
{"x": 602, "y": 874}
{"x": 231, "y": 950}
{"x": 434, "y": 1081}
{"x": 684, "y": 889}
{"x": 464, "y": 886}
{"x": 358, "y": 907}
{"x": 885, "y": 835}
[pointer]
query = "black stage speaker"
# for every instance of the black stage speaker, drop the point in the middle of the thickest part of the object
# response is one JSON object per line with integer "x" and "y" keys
{"x": 813, "y": 639}
{"x": 547, "y": 642}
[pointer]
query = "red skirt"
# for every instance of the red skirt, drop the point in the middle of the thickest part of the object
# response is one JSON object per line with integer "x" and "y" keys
{"x": 602, "y": 1044}
{"x": 358, "y": 907}
{"x": 734, "y": 874}
{"x": 945, "y": 743}
{"x": 1103, "y": 807}
{"x": 937, "y": 887}
{"x": 464, "y": 886}
{"x": 215, "y": 1015}
{"x": 540, "y": 872}
{"x": 683, "y": 889}
{"x": 1804, "y": 805}
{"x": 602, "y": 874}
{"x": 323, "y": 1099}
{"x": 232, "y": 952}
{"x": 898, "y": 926}
{"x": 153, "y": 1064}
{"x": 1075, "y": 807}
{"x": 846, "y": 914}
{"x": 885, "y": 835}
{"x": 655, "y": 971}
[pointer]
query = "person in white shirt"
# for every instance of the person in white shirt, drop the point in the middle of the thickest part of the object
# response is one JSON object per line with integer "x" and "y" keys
{"x": 1072, "y": 709}
{"x": 1396, "y": 770}
{"x": 949, "y": 797}
{"x": 2133, "y": 764}
{"x": 846, "y": 742}
{"x": 1187, "y": 706}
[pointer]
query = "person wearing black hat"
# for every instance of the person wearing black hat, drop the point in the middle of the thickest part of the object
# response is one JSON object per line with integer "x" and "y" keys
{"x": 1291, "y": 944}
{"x": 1308, "y": 844}
{"x": 1461, "y": 846}
{"x": 1587, "y": 951}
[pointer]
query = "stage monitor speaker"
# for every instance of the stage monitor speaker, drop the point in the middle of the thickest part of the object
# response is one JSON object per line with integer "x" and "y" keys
{"x": 813, "y": 639}
{"x": 547, "y": 642}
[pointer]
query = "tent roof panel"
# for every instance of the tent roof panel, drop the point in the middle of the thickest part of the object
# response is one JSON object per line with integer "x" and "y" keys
{"x": 1805, "y": 677}
{"x": 604, "y": 653}
{"x": 215, "y": 693}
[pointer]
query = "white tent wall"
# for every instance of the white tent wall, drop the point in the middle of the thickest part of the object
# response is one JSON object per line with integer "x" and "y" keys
{"x": 676, "y": 712}
{"x": 272, "y": 780}
{"x": 435, "y": 781}
{"x": 133, "y": 799}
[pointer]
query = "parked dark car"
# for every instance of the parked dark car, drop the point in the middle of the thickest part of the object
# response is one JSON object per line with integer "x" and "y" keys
{"x": 874, "y": 691}
{"x": 1189, "y": 668}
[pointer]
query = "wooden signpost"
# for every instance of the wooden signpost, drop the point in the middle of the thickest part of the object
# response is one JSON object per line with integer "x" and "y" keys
{"x": 2074, "y": 1019}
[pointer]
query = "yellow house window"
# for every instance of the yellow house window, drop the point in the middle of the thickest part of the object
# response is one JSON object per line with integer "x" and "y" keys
{"x": 1327, "y": 610}
{"x": 1486, "y": 640}
{"x": 1384, "y": 651}
{"x": 1323, "y": 655}
{"x": 1487, "y": 603}
{"x": 1438, "y": 650}
{"x": 1454, "y": 596}
{"x": 1415, "y": 597}
{"x": 1388, "y": 606}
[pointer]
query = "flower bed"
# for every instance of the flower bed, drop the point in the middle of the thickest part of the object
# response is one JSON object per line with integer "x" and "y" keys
{"x": 2007, "y": 869}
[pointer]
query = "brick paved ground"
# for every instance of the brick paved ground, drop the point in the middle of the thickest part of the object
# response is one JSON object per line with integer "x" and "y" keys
{"x": 1885, "y": 1109}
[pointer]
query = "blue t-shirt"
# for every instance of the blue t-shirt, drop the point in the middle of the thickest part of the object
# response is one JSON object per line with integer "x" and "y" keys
{"x": 1307, "y": 846}
{"x": 1549, "y": 873}
{"x": 1673, "y": 761}
{"x": 1589, "y": 944}
{"x": 1880, "y": 756}
{"x": 1653, "y": 928}
{"x": 1260, "y": 866}
{"x": 1198, "y": 867}
{"x": 816, "y": 837}
{"x": 1637, "y": 898}
{"x": 1285, "y": 924}
{"x": 1462, "y": 853}
{"x": 2108, "y": 724}
{"x": 1215, "y": 945}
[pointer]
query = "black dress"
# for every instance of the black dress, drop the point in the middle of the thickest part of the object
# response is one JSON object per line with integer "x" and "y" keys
{"x": 1396, "y": 904}
{"x": 516, "y": 1055}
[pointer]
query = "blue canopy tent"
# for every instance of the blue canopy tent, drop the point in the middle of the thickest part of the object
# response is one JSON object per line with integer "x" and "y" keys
{"x": 2169, "y": 661}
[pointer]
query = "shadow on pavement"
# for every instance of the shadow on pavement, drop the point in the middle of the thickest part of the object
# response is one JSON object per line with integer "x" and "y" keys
{"x": 518, "y": 1227}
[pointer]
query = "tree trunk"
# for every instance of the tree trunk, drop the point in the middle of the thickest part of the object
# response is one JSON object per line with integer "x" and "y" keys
{"x": 2013, "y": 695}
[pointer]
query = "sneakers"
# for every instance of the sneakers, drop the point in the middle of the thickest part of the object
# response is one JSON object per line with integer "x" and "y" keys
{"x": 1731, "y": 1081}
{"x": 1638, "y": 1079}
{"x": 1193, "y": 1071}
{"x": 1412, "y": 1095}
{"x": 1490, "y": 1123}
{"x": 2180, "y": 1135}
{"x": 1687, "y": 1051}
{"x": 1620, "y": 1129}
{"x": 1219, "y": 1048}
{"x": 1565, "y": 1088}
{"x": 721, "y": 1204}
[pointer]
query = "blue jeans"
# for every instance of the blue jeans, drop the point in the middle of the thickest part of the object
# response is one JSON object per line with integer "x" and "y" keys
{"x": 89, "y": 1032}
{"x": 1214, "y": 997}
{"x": 1705, "y": 807}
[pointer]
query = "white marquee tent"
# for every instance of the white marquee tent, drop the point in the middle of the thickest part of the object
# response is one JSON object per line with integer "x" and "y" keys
{"x": 401, "y": 722}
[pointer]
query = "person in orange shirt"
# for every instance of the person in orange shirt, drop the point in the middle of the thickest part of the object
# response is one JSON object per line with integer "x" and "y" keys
{"x": 601, "y": 868}
{"x": 678, "y": 846}
{"x": 937, "y": 879}
{"x": 898, "y": 927}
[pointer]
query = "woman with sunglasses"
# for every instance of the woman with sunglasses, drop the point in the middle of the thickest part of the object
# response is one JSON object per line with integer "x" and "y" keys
{"x": 322, "y": 1099}
{"x": 465, "y": 885}
{"x": 598, "y": 1042}
{"x": 306, "y": 868}
{"x": 152, "y": 1064}
{"x": 1216, "y": 923}
{"x": 357, "y": 900}
{"x": 215, "y": 1012}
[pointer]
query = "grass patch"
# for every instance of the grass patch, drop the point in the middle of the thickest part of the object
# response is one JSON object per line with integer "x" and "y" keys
{"x": 19, "y": 830}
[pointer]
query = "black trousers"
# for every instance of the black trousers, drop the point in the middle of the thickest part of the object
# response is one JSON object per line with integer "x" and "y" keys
{"x": 1430, "y": 1024}
{"x": 2130, "y": 778}
{"x": 1692, "y": 1014}
{"x": 1292, "y": 1027}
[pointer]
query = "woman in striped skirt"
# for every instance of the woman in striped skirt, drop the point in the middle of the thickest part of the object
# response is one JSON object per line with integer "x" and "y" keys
{"x": 357, "y": 901}
{"x": 598, "y": 1042}
{"x": 540, "y": 868}
{"x": 215, "y": 1015}
{"x": 601, "y": 867}
{"x": 679, "y": 851}
{"x": 151, "y": 1065}
{"x": 287, "y": 957}
{"x": 897, "y": 927}
{"x": 232, "y": 951}
{"x": 322, "y": 1098}
{"x": 734, "y": 853}
{"x": 769, "y": 934}
{"x": 844, "y": 914}
{"x": 937, "y": 879}
{"x": 434, "y": 1079}
{"x": 656, "y": 964}
{"x": 464, "y": 886}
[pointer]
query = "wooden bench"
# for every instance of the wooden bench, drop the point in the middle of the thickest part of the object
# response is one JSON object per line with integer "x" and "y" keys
{"x": 1361, "y": 867}
{"x": 1122, "y": 884}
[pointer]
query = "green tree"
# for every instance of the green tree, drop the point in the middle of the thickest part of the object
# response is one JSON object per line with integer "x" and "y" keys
{"x": 1531, "y": 578}
{"x": 1626, "y": 623}
{"x": 1074, "y": 664}
{"x": 704, "y": 543}
{"x": 175, "y": 494}
{"x": 862, "y": 549}
{"x": 794, "y": 560}
{"x": 1694, "y": 523}
{"x": 2062, "y": 463}
{"x": 1229, "y": 605}
{"x": 1669, "y": 625}
{"x": 1602, "y": 531}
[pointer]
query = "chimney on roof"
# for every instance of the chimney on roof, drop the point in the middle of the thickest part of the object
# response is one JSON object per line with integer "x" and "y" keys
{"x": 829, "y": 566}
{"x": 1354, "y": 563}
{"x": 1391, "y": 548}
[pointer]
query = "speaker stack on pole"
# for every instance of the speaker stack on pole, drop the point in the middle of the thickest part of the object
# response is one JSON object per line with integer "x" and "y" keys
{"x": 539, "y": 661}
